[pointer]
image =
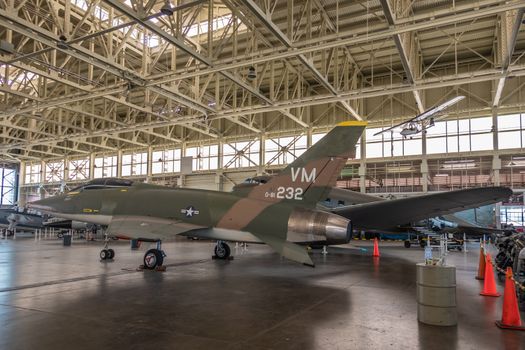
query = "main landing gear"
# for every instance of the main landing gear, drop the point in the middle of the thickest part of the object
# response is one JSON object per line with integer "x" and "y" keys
{"x": 154, "y": 258}
{"x": 106, "y": 253}
{"x": 222, "y": 251}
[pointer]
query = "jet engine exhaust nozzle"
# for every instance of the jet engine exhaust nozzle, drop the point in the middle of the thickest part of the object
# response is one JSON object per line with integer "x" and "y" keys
{"x": 316, "y": 226}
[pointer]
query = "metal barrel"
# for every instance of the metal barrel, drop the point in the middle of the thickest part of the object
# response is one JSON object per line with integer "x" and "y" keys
{"x": 436, "y": 295}
{"x": 67, "y": 240}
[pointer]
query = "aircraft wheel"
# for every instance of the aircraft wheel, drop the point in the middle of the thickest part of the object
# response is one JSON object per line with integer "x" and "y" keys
{"x": 111, "y": 253}
{"x": 104, "y": 254}
{"x": 407, "y": 244}
{"x": 152, "y": 259}
{"x": 222, "y": 250}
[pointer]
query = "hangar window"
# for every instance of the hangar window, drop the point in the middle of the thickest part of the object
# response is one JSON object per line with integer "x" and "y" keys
{"x": 463, "y": 135}
{"x": 392, "y": 145}
{"x": 284, "y": 150}
{"x": 374, "y": 144}
{"x": 241, "y": 154}
{"x": 510, "y": 134}
{"x": 374, "y": 150}
{"x": 105, "y": 166}
{"x": 7, "y": 186}
{"x": 481, "y": 134}
{"x": 166, "y": 161}
{"x": 78, "y": 169}
{"x": 437, "y": 138}
{"x": 412, "y": 146}
{"x": 33, "y": 174}
{"x": 204, "y": 157}
{"x": 389, "y": 144}
{"x": 512, "y": 215}
{"x": 54, "y": 171}
{"x": 135, "y": 164}
{"x": 317, "y": 137}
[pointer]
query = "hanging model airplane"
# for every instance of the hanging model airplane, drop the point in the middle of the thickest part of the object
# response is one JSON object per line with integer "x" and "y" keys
{"x": 281, "y": 212}
{"x": 422, "y": 121}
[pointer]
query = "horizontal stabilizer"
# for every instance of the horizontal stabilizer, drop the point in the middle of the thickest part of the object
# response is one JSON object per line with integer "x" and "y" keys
{"x": 287, "y": 249}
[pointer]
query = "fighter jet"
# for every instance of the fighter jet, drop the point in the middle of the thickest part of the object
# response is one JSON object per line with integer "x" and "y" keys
{"x": 12, "y": 218}
{"x": 281, "y": 212}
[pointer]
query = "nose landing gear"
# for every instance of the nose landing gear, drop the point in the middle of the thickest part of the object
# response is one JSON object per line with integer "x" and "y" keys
{"x": 106, "y": 253}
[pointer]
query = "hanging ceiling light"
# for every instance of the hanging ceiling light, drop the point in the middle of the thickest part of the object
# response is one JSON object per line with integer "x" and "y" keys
{"x": 62, "y": 44}
{"x": 252, "y": 73}
{"x": 166, "y": 9}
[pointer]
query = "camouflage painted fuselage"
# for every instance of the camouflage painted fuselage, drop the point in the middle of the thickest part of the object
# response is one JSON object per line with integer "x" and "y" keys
{"x": 199, "y": 208}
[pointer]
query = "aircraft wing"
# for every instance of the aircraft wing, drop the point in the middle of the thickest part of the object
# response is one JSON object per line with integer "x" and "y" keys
{"x": 147, "y": 227}
{"x": 426, "y": 114}
{"x": 391, "y": 213}
{"x": 395, "y": 126}
{"x": 287, "y": 249}
{"x": 434, "y": 110}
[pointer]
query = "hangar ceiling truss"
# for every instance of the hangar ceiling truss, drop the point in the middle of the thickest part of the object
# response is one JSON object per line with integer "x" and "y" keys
{"x": 80, "y": 77}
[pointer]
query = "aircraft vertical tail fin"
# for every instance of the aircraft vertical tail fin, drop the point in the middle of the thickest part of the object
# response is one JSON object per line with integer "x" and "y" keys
{"x": 311, "y": 176}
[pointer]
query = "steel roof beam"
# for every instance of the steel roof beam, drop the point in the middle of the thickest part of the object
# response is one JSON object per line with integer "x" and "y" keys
{"x": 180, "y": 44}
{"x": 39, "y": 34}
{"x": 404, "y": 52}
{"x": 508, "y": 33}
{"x": 375, "y": 91}
{"x": 350, "y": 39}
{"x": 264, "y": 19}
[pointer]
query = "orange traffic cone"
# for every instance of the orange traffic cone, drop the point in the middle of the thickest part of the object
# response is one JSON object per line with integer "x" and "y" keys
{"x": 376, "y": 249}
{"x": 489, "y": 288}
{"x": 510, "y": 319}
{"x": 481, "y": 265}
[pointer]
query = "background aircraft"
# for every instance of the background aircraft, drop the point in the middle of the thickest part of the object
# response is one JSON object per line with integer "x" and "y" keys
{"x": 18, "y": 218}
{"x": 280, "y": 212}
{"x": 424, "y": 120}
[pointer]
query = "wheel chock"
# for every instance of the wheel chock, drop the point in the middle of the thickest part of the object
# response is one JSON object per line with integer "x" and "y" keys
{"x": 158, "y": 268}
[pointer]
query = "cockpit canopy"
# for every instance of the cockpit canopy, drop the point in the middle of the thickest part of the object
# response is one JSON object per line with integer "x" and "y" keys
{"x": 98, "y": 184}
{"x": 257, "y": 180}
{"x": 252, "y": 182}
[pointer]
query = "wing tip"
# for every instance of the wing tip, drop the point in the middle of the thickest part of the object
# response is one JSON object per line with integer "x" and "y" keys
{"x": 505, "y": 191}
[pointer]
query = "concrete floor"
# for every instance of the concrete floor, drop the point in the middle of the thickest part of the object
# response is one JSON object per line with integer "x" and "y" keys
{"x": 54, "y": 297}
